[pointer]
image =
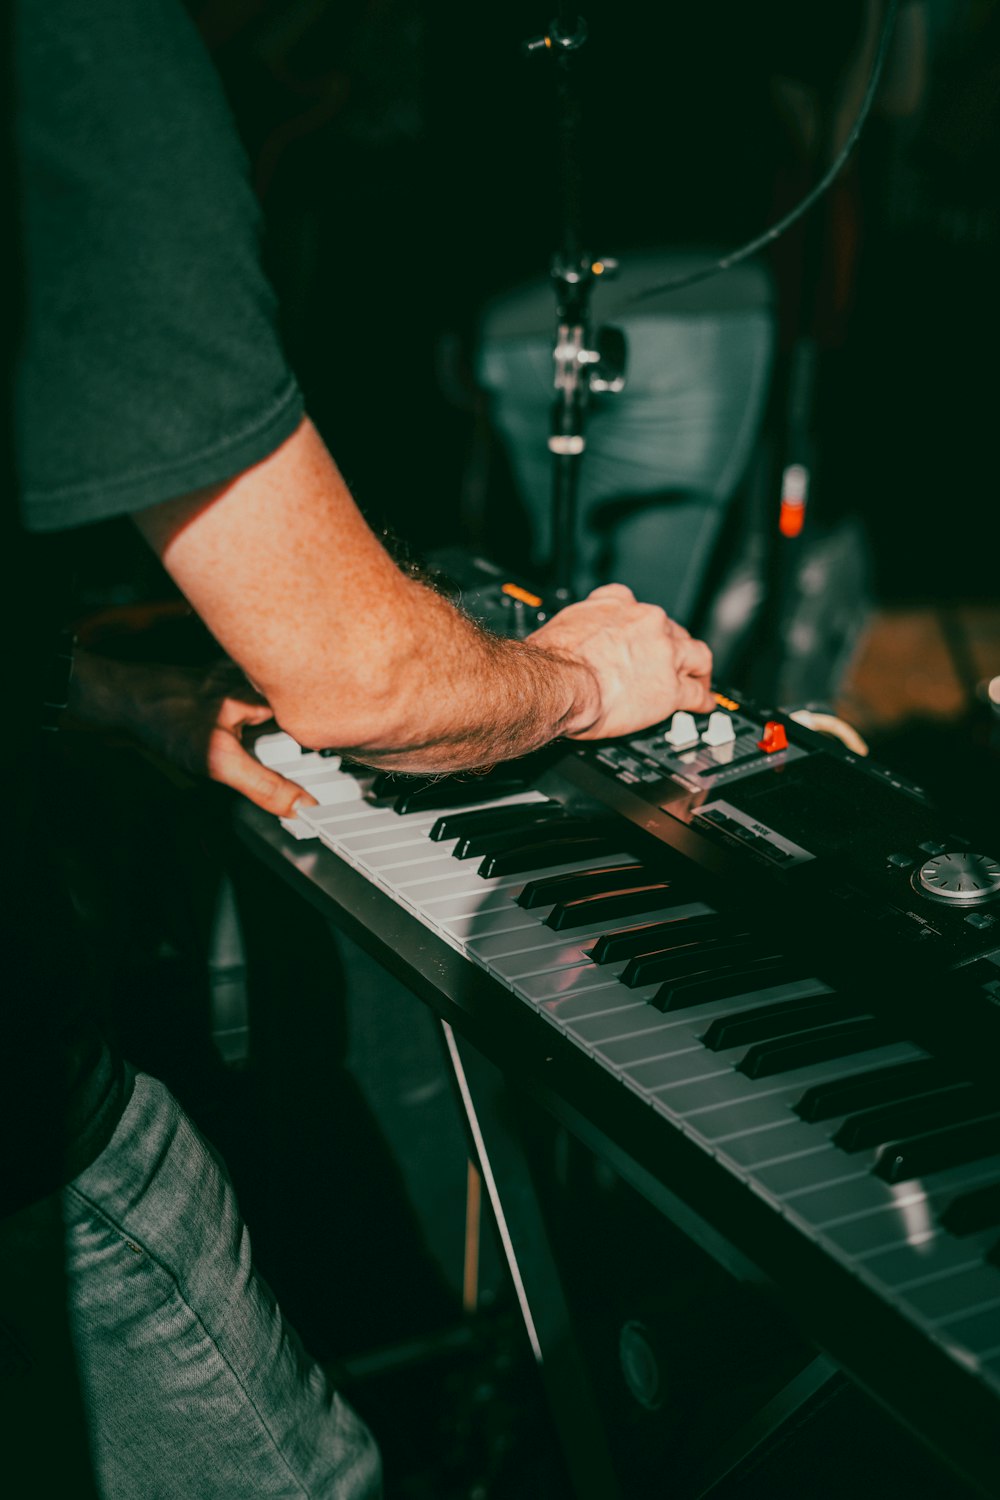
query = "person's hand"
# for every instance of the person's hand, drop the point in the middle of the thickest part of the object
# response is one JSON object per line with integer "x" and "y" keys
{"x": 193, "y": 717}
{"x": 644, "y": 665}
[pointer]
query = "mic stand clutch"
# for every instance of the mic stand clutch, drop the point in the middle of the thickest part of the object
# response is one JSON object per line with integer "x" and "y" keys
{"x": 582, "y": 364}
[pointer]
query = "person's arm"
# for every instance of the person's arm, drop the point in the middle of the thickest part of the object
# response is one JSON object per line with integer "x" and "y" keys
{"x": 352, "y": 654}
{"x": 191, "y": 717}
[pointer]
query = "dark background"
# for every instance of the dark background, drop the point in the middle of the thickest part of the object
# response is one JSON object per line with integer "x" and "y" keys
{"x": 404, "y": 155}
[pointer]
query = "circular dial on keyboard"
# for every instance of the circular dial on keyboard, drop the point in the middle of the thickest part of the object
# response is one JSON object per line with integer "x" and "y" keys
{"x": 959, "y": 878}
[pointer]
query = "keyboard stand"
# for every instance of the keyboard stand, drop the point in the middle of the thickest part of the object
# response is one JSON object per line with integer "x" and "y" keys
{"x": 882, "y": 1353}
{"x": 489, "y": 1104}
{"x": 499, "y": 1156}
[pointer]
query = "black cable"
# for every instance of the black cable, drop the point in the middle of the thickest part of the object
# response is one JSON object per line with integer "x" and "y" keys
{"x": 769, "y": 235}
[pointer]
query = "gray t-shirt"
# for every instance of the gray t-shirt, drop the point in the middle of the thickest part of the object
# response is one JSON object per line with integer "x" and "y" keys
{"x": 148, "y": 366}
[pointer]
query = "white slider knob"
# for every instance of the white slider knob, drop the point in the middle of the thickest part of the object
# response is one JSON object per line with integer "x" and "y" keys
{"x": 683, "y": 730}
{"x": 719, "y": 730}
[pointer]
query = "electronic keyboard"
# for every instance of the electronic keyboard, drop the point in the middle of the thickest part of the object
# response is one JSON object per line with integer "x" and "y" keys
{"x": 758, "y": 972}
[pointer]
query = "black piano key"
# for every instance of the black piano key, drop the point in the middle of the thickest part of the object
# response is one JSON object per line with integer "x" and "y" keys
{"x": 460, "y": 824}
{"x": 840, "y": 1039}
{"x": 428, "y": 796}
{"x": 949, "y": 1106}
{"x": 726, "y": 984}
{"x": 937, "y": 1150}
{"x": 843, "y": 1096}
{"x": 651, "y": 937}
{"x": 494, "y": 841}
{"x": 787, "y": 1018}
{"x": 972, "y": 1211}
{"x": 537, "y": 856}
{"x": 394, "y": 783}
{"x": 580, "y": 883}
{"x": 684, "y": 960}
{"x": 584, "y": 911}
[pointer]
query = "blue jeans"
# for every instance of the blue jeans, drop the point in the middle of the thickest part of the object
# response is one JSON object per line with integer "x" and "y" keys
{"x": 167, "y": 1370}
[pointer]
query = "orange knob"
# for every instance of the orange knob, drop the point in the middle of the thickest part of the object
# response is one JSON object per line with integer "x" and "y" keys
{"x": 775, "y": 738}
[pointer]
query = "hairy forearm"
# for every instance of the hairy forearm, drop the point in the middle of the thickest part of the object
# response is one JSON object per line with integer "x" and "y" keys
{"x": 453, "y": 697}
{"x": 354, "y": 655}
{"x": 350, "y": 652}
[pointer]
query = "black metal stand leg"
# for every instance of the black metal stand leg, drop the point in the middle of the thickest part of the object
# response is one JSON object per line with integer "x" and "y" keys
{"x": 809, "y": 1389}
{"x": 517, "y": 1213}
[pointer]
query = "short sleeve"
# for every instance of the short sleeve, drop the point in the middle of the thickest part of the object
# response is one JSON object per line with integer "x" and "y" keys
{"x": 149, "y": 359}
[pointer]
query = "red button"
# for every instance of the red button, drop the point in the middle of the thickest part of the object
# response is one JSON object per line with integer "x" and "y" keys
{"x": 774, "y": 739}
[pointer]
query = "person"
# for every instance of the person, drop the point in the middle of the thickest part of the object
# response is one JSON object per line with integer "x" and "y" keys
{"x": 150, "y": 383}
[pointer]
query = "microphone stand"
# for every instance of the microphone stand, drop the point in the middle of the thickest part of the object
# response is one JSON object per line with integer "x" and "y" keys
{"x": 582, "y": 365}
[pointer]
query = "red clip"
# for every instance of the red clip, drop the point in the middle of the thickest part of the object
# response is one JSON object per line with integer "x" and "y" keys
{"x": 775, "y": 738}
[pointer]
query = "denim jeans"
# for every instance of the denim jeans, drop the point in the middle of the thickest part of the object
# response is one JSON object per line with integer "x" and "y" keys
{"x": 137, "y": 1340}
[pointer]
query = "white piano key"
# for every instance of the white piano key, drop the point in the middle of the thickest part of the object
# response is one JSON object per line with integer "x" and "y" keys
{"x": 824, "y": 1167}
{"x": 874, "y": 1231}
{"x": 450, "y": 908}
{"x": 648, "y": 1073}
{"x": 512, "y": 799}
{"x": 947, "y": 1297}
{"x": 902, "y": 1267}
{"x": 742, "y": 1116}
{"x": 297, "y": 828}
{"x": 518, "y": 966}
{"x": 360, "y": 845}
{"x": 622, "y": 1016}
{"x": 943, "y": 1186}
{"x": 381, "y": 861}
{"x": 787, "y": 1138}
{"x": 798, "y": 1080}
{"x": 697, "y": 1018}
{"x": 535, "y": 939}
{"x": 600, "y": 1000}
{"x": 335, "y": 793}
{"x": 558, "y": 982}
{"x": 277, "y": 749}
{"x": 478, "y": 924}
{"x": 313, "y": 769}
{"x": 835, "y": 1169}
{"x": 825, "y": 1206}
{"x": 675, "y": 1028}
{"x": 350, "y": 816}
{"x": 771, "y": 994}
{"x": 470, "y": 880}
{"x": 782, "y": 1088}
{"x": 691, "y": 1100}
{"x": 626, "y": 1047}
{"x": 696, "y": 1021}
{"x": 978, "y": 1331}
{"x": 732, "y": 1088}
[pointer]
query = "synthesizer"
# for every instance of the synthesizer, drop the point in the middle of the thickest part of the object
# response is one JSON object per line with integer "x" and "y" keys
{"x": 761, "y": 973}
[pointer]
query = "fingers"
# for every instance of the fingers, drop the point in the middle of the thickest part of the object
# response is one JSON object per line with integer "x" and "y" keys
{"x": 235, "y": 767}
{"x": 612, "y": 591}
{"x": 695, "y": 695}
{"x": 235, "y": 712}
{"x": 693, "y": 657}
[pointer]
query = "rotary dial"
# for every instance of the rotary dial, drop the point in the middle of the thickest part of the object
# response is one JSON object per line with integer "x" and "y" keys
{"x": 962, "y": 879}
